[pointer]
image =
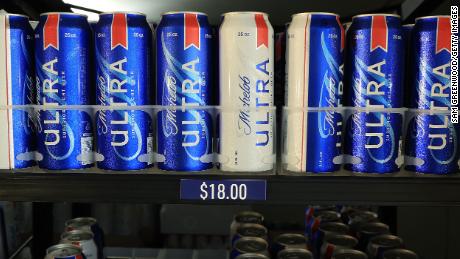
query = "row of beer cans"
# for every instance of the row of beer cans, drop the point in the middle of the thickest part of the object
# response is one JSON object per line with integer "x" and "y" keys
{"x": 332, "y": 232}
{"x": 82, "y": 239}
{"x": 111, "y": 63}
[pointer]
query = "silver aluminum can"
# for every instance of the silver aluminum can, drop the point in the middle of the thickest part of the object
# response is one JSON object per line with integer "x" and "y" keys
{"x": 84, "y": 240}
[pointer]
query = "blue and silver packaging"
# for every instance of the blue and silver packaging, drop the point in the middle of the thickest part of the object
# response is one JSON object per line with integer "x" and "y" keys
{"x": 62, "y": 56}
{"x": 184, "y": 64}
{"x": 16, "y": 88}
{"x": 374, "y": 68}
{"x": 123, "y": 66}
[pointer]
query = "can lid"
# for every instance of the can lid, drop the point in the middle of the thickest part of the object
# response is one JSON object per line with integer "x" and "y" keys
{"x": 297, "y": 253}
{"x": 375, "y": 14}
{"x": 348, "y": 254}
{"x": 251, "y": 256}
{"x": 409, "y": 25}
{"x": 399, "y": 254}
{"x": 251, "y": 245}
{"x": 249, "y": 217}
{"x": 123, "y": 12}
{"x": 14, "y": 14}
{"x": 63, "y": 250}
{"x": 244, "y": 12}
{"x": 251, "y": 230}
{"x": 183, "y": 12}
{"x": 320, "y": 13}
{"x": 344, "y": 241}
{"x": 288, "y": 239}
{"x": 328, "y": 216}
{"x": 80, "y": 222}
{"x": 77, "y": 235}
{"x": 374, "y": 228}
{"x": 431, "y": 17}
{"x": 387, "y": 240}
{"x": 334, "y": 227}
{"x": 362, "y": 216}
{"x": 66, "y": 13}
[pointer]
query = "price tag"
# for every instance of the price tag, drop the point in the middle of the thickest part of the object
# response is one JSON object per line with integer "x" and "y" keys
{"x": 221, "y": 190}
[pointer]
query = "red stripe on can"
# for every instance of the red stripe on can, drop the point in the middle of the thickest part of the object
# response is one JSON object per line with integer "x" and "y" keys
{"x": 342, "y": 34}
{"x": 262, "y": 31}
{"x": 119, "y": 31}
{"x": 51, "y": 31}
{"x": 192, "y": 31}
{"x": 443, "y": 34}
{"x": 379, "y": 33}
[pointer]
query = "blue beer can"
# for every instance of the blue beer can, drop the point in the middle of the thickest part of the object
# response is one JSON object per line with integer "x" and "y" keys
{"x": 432, "y": 140}
{"x": 374, "y": 80}
{"x": 123, "y": 66}
{"x": 63, "y": 77}
{"x": 314, "y": 69}
{"x": 17, "y": 88}
{"x": 184, "y": 63}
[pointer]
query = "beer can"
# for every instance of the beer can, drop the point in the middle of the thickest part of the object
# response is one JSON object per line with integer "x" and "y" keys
{"x": 247, "y": 245}
{"x": 432, "y": 142}
{"x": 123, "y": 67}
{"x": 368, "y": 231}
{"x": 374, "y": 80}
{"x": 321, "y": 217}
{"x": 294, "y": 253}
{"x": 64, "y": 251}
{"x": 348, "y": 254}
{"x": 325, "y": 230}
{"x": 379, "y": 244}
{"x": 252, "y": 256}
{"x": 332, "y": 243}
{"x": 245, "y": 217}
{"x": 16, "y": 88}
{"x": 246, "y": 63}
{"x": 249, "y": 230}
{"x": 184, "y": 65}
{"x": 399, "y": 254}
{"x": 84, "y": 240}
{"x": 314, "y": 80}
{"x": 288, "y": 240}
{"x": 88, "y": 224}
{"x": 62, "y": 65}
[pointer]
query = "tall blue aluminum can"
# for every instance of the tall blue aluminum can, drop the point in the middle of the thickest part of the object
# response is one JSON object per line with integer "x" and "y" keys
{"x": 16, "y": 88}
{"x": 62, "y": 56}
{"x": 184, "y": 78}
{"x": 314, "y": 69}
{"x": 432, "y": 141}
{"x": 374, "y": 79}
{"x": 123, "y": 65}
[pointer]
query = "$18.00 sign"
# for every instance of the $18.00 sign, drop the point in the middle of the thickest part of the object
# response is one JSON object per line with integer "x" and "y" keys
{"x": 221, "y": 190}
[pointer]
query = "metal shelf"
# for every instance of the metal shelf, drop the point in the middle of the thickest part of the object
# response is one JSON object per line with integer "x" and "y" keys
{"x": 401, "y": 190}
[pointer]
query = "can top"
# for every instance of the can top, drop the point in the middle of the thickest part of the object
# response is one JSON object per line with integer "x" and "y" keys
{"x": 321, "y": 13}
{"x": 344, "y": 241}
{"x": 251, "y": 256}
{"x": 328, "y": 215}
{"x": 63, "y": 250}
{"x": 362, "y": 216}
{"x": 431, "y": 17}
{"x": 66, "y": 13}
{"x": 77, "y": 235}
{"x": 374, "y": 228}
{"x": 349, "y": 254}
{"x": 251, "y": 230}
{"x": 399, "y": 254}
{"x": 244, "y": 12}
{"x": 335, "y": 227}
{"x": 122, "y": 12}
{"x": 291, "y": 239}
{"x": 375, "y": 14}
{"x": 251, "y": 244}
{"x": 14, "y": 14}
{"x": 184, "y": 12}
{"x": 249, "y": 217}
{"x": 387, "y": 240}
{"x": 299, "y": 253}
{"x": 80, "y": 222}
{"x": 409, "y": 25}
